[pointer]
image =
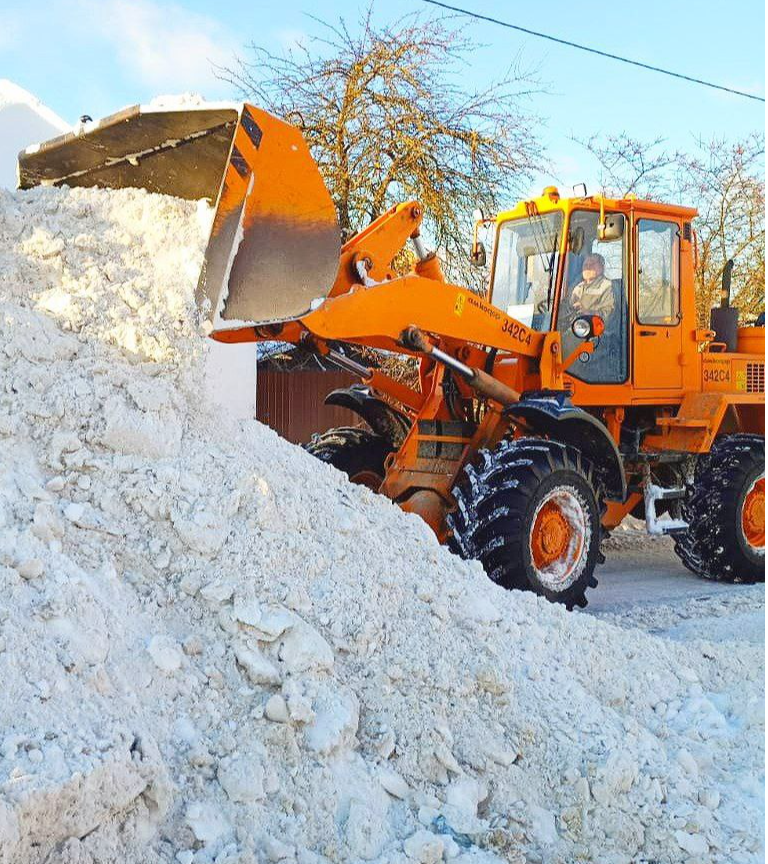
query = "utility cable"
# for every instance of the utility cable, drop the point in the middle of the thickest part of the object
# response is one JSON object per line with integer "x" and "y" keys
{"x": 594, "y": 50}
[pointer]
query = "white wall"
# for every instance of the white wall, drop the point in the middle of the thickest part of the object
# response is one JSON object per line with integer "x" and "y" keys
{"x": 231, "y": 378}
{"x": 24, "y": 120}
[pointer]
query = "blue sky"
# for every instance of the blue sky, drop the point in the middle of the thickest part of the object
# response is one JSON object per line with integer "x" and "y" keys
{"x": 95, "y": 56}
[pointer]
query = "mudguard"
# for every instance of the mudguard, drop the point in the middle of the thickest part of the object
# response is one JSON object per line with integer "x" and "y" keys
{"x": 383, "y": 419}
{"x": 555, "y": 416}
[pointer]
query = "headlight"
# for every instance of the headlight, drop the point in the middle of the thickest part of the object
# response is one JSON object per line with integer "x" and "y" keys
{"x": 582, "y": 328}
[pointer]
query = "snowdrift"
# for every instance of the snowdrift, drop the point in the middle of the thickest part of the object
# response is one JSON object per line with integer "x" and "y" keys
{"x": 214, "y": 648}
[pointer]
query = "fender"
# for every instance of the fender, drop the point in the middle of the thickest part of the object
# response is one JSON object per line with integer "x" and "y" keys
{"x": 383, "y": 419}
{"x": 554, "y": 415}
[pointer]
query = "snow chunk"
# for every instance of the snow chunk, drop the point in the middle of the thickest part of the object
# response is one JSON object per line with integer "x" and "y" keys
{"x": 257, "y": 667}
{"x": 206, "y": 821}
{"x": 337, "y": 714}
{"x": 424, "y": 847}
{"x": 303, "y": 648}
{"x": 242, "y": 778}
{"x": 694, "y": 844}
{"x": 166, "y": 653}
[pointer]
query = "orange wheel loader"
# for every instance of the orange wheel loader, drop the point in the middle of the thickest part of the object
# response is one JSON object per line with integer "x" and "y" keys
{"x": 577, "y": 390}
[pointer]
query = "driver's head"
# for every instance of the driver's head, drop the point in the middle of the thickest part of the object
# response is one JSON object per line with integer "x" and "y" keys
{"x": 593, "y": 266}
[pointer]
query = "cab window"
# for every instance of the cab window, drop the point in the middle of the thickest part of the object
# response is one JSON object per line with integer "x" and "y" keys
{"x": 595, "y": 283}
{"x": 658, "y": 289}
{"x": 525, "y": 268}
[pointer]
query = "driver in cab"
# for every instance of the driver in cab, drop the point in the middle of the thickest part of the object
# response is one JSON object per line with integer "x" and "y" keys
{"x": 594, "y": 294}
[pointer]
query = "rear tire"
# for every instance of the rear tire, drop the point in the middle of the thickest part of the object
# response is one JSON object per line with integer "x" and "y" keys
{"x": 359, "y": 453}
{"x": 529, "y": 510}
{"x": 725, "y": 512}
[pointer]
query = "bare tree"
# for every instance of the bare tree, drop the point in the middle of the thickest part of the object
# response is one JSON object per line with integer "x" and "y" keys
{"x": 627, "y": 165}
{"x": 387, "y": 120}
{"x": 725, "y": 182}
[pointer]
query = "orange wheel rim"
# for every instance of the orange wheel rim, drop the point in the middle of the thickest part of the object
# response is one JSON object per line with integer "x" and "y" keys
{"x": 551, "y": 535}
{"x": 753, "y": 514}
{"x": 367, "y": 478}
{"x": 558, "y": 538}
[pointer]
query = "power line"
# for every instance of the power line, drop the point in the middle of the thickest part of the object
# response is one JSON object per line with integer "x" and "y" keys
{"x": 594, "y": 50}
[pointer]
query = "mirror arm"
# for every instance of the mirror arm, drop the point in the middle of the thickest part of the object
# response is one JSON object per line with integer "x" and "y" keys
{"x": 601, "y": 222}
{"x": 475, "y": 249}
{"x": 695, "y": 252}
{"x": 586, "y": 346}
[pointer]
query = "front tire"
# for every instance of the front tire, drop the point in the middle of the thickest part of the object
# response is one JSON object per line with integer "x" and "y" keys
{"x": 529, "y": 510}
{"x": 358, "y": 452}
{"x": 725, "y": 512}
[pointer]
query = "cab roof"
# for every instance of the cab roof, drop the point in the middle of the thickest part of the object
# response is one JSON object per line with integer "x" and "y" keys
{"x": 550, "y": 200}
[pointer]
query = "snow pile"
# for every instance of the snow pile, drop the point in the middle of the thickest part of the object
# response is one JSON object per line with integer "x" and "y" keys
{"x": 179, "y": 101}
{"x": 214, "y": 648}
{"x": 24, "y": 120}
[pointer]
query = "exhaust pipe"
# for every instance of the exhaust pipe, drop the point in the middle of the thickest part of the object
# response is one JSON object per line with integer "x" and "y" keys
{"x": 724, "y": 320}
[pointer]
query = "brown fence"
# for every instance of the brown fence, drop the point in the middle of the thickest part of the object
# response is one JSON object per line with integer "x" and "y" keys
{"x": 291, "y": 402}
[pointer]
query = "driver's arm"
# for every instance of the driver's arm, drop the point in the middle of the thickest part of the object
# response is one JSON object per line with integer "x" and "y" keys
{"x": 603, "y": 304}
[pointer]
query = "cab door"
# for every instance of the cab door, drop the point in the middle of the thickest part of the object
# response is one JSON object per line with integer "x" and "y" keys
{"x": 657, "y": 328}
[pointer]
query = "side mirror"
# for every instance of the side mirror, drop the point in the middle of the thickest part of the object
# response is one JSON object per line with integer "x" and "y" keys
{"x": 612, "y": 229}
{"x": 477, "y": 257}
{"x": 587, "y": 326}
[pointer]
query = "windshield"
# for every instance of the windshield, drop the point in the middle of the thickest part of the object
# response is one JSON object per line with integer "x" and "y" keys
{"x": 525, "y": 268}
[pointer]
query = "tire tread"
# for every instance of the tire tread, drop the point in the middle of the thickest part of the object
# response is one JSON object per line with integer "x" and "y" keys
{"x": 710, "y": 547}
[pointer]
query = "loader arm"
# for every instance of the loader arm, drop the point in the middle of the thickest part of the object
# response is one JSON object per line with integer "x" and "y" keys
{"x": 366, "y": 256}
{"x": 375, "y": 246}
{"x": 378, "y": 314}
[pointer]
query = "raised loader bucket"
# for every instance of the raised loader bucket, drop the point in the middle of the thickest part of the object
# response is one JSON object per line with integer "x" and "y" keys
{"x": 274, "y": 245}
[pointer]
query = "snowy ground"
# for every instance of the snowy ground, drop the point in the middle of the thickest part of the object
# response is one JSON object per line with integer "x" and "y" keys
{"x": 644, "y": 585}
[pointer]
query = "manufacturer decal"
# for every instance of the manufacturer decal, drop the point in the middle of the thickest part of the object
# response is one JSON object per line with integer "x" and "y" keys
{"x": 509, "y": 326}
{"x": 492, "y": 311}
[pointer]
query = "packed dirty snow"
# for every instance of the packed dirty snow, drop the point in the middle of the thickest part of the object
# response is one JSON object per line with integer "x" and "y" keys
{"x": 214, "y": 648}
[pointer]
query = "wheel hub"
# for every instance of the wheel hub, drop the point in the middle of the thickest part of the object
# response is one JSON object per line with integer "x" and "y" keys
{"x": 551, "y": 533}
{"x": 753, "y": 515}
{"x": 558, "y": 538}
